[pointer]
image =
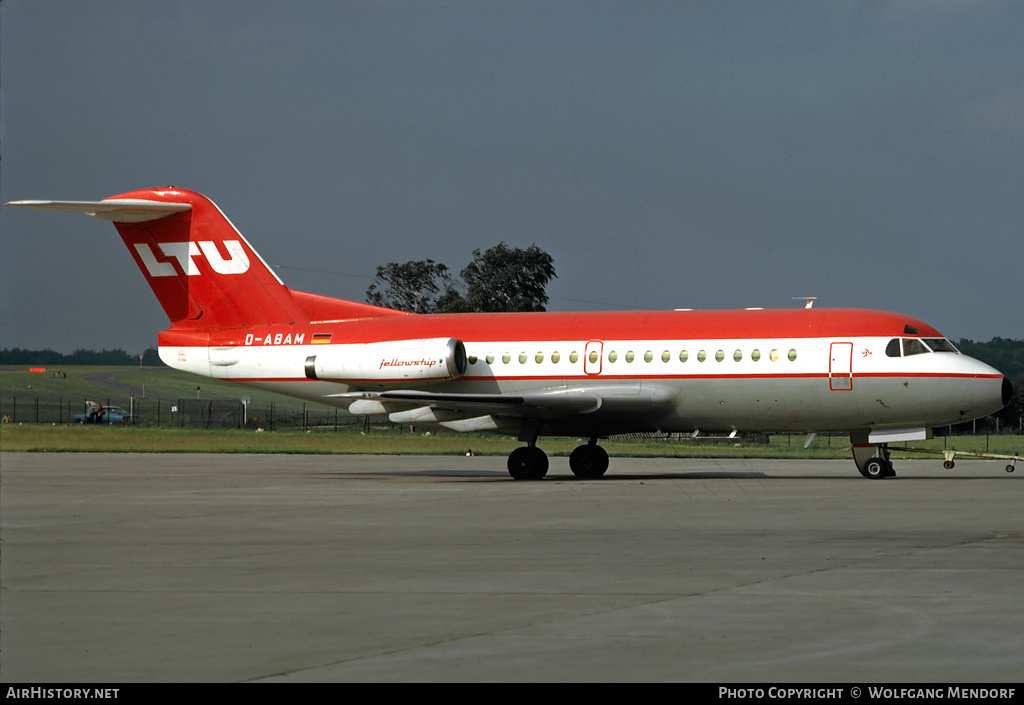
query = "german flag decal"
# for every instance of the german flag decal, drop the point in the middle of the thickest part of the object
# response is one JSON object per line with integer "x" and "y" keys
{"x": 321, "y": 338}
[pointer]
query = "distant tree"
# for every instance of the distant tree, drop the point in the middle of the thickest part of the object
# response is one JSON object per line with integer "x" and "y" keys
{"x": 1013, "y": 415}
{"x": 416, "y": 287}
{"x": 501, "y": 279}
{"x": 116, "y": 357}
{"x": 508, "y": 279}
{"x": 18, "y": 356}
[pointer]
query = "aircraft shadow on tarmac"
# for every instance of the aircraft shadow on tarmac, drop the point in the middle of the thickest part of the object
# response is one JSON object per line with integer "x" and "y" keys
{"x": 661, "y": 476}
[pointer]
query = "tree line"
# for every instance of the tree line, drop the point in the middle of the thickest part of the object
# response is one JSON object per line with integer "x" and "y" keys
{"x": 116, "y": 357}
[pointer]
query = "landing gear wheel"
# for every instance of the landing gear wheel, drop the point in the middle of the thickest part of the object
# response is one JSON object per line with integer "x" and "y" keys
{"x": 949, "y": 465}
{"x": 877, "y": 468}
{"x": 588, "y": 461}
{"x": 528, "y": 463}
{"x": 1009, "y": 468}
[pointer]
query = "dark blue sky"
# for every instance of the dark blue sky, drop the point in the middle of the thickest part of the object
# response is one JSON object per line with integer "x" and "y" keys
{"x": 667, "y": 154}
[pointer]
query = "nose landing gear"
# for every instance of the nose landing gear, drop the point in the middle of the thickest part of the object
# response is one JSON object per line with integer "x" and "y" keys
{"x": 878, "y": 467}
{"x": 872, "y": 459}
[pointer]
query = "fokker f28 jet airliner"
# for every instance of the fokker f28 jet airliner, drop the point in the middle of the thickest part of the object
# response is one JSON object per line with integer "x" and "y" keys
{"x": 882, "y": 377}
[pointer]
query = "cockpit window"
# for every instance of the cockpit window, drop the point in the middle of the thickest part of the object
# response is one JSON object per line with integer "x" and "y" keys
{"x": 913, "y": 346}
{"x": 940, "y": 345}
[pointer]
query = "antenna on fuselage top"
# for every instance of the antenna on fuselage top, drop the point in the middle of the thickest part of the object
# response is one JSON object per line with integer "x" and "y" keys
{"x": 808, "y": 300}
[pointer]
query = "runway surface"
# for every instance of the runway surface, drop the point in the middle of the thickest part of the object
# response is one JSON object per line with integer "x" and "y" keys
{"x": 123, "y": 568}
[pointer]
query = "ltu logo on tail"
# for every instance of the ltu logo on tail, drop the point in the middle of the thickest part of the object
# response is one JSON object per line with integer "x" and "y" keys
{"x": 184, "y": 252}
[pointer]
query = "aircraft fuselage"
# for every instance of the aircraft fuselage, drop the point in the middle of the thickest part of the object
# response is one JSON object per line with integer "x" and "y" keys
{"x": 816, "y": 370}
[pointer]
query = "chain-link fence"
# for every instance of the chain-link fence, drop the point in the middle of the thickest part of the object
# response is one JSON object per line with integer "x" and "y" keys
{"x": 183, "y": 413}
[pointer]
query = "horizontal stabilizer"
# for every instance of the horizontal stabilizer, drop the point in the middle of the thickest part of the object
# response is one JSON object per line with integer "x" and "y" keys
{"x": 117, "y": 210}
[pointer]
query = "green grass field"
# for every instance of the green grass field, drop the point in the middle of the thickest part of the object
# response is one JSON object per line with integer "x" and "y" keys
{"x": 78, "y": 383}
{"x": 77, "y": 438}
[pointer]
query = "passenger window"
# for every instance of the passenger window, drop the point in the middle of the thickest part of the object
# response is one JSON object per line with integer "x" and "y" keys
{"x": 755, "y": 355}
{"x": 490, "y": 358}
{"x": 720, "y": 355}
{"x": 630, "y": 356}
{"x": 593, "y": 356}
{"x": 539, "y": 358}
{"x": 684, "y": 356}
{"x": 773, "y": 355}
{"x": 648, "y": 356}
{"x": 702, "y": 356}
{"x": 792, "y": 355}
{"x": 472, "y": 359}
{"x": 506, "y": 358}
{"x": 574, "y": 357}
{"x": 555, "y": 357}
{"x": 613, "y": 356}
{"x": 738, "y": 355}
{"x": 666, "y": 356}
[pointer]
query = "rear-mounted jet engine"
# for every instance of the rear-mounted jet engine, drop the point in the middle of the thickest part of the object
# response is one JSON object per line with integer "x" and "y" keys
{"x": 424, "y": 360}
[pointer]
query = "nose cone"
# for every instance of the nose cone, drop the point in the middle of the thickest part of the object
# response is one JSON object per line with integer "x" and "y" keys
{"x": 983, "y": 390}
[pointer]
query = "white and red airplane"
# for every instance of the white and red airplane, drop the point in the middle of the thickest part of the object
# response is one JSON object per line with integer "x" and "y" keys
{"x": 882, "y": 377}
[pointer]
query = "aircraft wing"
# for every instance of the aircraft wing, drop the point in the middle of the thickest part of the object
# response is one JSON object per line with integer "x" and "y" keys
{"x": 479, "y": 412}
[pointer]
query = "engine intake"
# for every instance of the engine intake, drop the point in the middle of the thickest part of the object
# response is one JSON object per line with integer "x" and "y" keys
{"x": 423, "y": 360}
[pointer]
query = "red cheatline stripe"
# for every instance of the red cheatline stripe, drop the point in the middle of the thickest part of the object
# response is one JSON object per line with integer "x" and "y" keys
{"x": 596, "y": 378}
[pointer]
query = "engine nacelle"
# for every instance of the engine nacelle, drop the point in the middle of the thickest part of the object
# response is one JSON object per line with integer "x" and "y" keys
{"x": 394, "y": 361}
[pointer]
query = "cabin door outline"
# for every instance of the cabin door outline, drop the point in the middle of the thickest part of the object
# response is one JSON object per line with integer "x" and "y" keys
{"x": 840, "y": 367}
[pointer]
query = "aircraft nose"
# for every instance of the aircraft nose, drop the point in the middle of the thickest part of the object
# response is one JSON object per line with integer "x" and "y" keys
{"x": 1007, "y": 391}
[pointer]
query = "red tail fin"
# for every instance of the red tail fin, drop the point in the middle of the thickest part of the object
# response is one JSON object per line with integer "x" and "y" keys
{"x": 202, "y": 270}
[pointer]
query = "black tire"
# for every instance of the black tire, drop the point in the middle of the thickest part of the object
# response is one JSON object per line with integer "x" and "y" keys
{"x": 588, "y": 461}
{"x": 949, "y": 465}
{"x": 876, "y": 468}
{"x": 527, "y": 463}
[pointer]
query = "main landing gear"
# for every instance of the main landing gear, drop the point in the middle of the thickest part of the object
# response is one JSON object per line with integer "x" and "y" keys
{"x": 588, "y": 461}
{"x": 872, "y": 459}
{"x": 531, "y": 463}
{"x": 528, "y": 463}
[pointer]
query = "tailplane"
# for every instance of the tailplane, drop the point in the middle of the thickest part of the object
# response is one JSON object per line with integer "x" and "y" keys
{"x": 203, "y": 271}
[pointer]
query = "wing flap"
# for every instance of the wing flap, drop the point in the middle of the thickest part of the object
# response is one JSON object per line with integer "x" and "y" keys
{"x": 408, "y": 405}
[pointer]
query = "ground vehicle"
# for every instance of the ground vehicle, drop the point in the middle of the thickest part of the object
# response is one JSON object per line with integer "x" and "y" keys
{"x": 97, "y": 413}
